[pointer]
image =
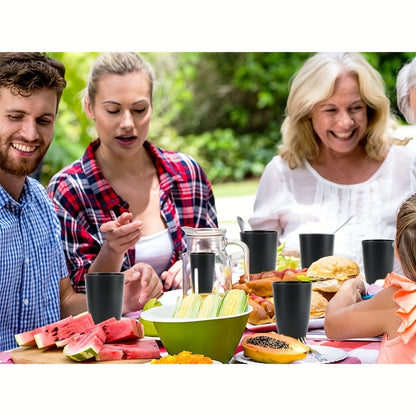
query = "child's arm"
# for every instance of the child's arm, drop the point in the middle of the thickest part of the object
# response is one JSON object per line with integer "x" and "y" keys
{"x": 348, "y": 316}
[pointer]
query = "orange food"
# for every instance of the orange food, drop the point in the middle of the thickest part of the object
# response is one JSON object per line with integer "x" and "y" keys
{"x": 184, "y": 357}
{"x": 273, "y": 348}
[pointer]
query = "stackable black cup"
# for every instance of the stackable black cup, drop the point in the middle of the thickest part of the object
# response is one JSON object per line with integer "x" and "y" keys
{"x": 378, "y": 258}
{"x": 204, "y": 262}
{"x": 292, "y": 305}
{"x": 105, "y": 293}
{"x": 262, "y": 245}
{"x": 315, "y": 246}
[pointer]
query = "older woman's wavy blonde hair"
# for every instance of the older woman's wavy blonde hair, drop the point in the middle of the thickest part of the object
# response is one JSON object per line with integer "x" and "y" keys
{"x": 314, "y": 83}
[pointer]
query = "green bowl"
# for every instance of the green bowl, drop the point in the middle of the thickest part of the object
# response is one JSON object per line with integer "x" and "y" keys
{"x": 216, "y": 338}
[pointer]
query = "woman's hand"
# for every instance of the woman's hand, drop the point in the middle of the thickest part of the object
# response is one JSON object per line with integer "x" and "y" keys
{"x": 172, "y": 278}
{"x": 141, "y": 283}
{"x": 122, "y": 233}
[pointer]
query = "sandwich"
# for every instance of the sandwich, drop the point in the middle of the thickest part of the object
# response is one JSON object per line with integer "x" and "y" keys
{"x": 329, "y": 273}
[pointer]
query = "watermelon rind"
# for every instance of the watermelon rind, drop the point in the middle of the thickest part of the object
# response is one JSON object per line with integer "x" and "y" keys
{"x": 86, "y": 346}
{"x": 26, "y": 339}
{"x": 82, "y": 355}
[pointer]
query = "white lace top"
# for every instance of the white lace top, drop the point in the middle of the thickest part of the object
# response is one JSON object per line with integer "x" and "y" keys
{"x": 156, "y": 250}
{"x": 301, "y": 201}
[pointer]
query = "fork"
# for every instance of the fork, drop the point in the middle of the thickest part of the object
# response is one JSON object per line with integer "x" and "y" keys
{"x": 321, "y": 358}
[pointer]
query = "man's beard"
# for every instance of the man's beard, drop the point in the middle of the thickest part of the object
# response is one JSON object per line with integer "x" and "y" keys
{"x": 24, "y": 168}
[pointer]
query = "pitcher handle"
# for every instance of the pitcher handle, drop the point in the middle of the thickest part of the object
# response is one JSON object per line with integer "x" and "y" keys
{"x": 245, "y": 249}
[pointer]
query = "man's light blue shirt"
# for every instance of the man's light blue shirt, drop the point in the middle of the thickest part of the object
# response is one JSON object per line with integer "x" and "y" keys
{"x": 32, "y": 262}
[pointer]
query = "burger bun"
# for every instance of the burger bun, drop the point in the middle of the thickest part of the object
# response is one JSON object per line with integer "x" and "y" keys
{"x": 330, "y": 272}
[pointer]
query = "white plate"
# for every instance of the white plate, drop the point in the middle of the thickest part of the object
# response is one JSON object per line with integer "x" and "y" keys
{"x": 313, "y": 324}
{"x": 332, "y": 354}
{"x": 316, "y": 323}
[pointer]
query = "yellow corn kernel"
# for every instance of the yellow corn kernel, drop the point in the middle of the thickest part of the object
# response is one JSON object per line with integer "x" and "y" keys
{"x": 210, "y": 306}
{"x": 234, "y": 302}
{"x": 188, "y": 306}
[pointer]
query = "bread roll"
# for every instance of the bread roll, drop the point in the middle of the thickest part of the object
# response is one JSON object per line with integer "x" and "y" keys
{"x": 333, "y": 267}
{"x": 258, "y": 316}
{"x": 318, "y": 305}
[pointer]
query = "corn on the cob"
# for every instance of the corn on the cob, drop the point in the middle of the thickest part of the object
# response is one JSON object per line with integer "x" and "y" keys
{"x": 210, "y": 306}
{"x": 234, "y": 302}
{"x": 188, "y": 306}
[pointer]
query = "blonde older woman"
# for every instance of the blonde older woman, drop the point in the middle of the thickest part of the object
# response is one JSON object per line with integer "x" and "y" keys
{"x": 337, "y": 158}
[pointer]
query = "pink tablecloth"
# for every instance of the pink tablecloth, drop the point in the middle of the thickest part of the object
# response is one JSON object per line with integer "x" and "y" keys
{"x": 358, "y": 352}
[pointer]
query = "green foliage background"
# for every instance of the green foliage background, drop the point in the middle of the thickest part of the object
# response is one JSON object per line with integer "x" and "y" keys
{"x": 225, "y": 109}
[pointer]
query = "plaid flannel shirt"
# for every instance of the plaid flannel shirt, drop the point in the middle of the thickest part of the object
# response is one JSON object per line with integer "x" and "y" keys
{"x": 84, "y": 200}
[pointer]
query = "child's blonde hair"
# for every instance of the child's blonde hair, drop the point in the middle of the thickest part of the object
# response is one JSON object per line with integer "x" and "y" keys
{"x": 406, "y": 236}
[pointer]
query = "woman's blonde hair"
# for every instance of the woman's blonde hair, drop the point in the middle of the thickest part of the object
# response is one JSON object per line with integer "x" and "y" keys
{"x": 406, "y": 82}
{"x": 118, "y": 63}
{"x": 406, "y": 236}
{"x": 314, "y": 83}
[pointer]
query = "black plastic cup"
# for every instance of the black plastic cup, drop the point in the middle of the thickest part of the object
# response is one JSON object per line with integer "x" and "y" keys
{"x": 204, "y": 262}
{"x": 292, "y": 305}
{"x": 378, "y": 258}
{"x": 262, "y": 246}
{"x": 105, "y": 293}
{"x": 315, "y": 246}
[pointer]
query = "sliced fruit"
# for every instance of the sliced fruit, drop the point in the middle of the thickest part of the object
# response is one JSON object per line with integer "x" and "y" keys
{"x": 129, "y": 350}
{"x": 86, "y": 346}
{"x": 273, "y": 348}
{"x": 124, "y": 329}
{"x": 48, "y": 335}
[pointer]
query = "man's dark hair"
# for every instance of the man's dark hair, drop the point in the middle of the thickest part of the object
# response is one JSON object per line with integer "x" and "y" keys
{"x": 25, "y": 72}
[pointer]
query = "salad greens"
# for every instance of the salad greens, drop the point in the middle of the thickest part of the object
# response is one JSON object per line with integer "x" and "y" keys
{"x": 286, "y": 262}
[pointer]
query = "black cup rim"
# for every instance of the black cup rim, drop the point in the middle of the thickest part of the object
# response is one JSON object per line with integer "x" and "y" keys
{"x": 378, "y": 240}
{"x": 306, "y": 234}
{"x": 291, "y": 282}
{"x": 258, "y": 232}
{"x": 102, "y": 274}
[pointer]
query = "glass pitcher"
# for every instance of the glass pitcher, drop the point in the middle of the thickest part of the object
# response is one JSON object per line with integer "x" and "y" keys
{"x": 206, "y": 265}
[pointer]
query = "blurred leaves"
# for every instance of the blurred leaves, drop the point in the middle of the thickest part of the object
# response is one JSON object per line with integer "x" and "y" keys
{"x": 225, "y": 109}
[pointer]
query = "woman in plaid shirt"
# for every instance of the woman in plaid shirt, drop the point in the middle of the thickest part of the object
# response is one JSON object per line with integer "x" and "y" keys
{"x": 123, "y": 203}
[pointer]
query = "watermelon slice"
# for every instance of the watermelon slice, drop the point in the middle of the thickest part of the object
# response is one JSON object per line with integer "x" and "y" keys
{"x": 27, "y": 339}
{"x": 126, "y": 328}
{"x": 62, "y": 342}
{"x": 143, "y": 348}
{"x": 86, "y": 346}
{"x": 48, "y": 335}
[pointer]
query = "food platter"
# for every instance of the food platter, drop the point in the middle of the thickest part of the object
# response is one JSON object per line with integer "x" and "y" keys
{"x": 313, "y": 324}
{"x": 332, "y": 354}
{"x": 33, "y": 355}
